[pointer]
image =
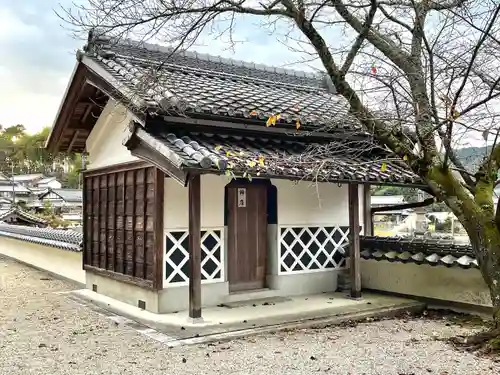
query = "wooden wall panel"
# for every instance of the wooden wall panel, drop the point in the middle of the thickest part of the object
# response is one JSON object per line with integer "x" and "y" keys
{"x": 123, "y": 224}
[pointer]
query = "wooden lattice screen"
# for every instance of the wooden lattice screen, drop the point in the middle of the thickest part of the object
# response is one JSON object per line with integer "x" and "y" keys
{"x": 123, "y": 224}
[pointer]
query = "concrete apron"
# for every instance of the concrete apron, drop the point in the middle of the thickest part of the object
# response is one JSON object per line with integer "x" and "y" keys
{"x": 222, "y": 323}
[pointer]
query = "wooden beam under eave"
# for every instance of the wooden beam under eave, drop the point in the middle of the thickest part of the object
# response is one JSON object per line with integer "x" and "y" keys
{"x": 73, "y": 140}
{"x": 194, "y": 187}
{"x": 87, "y": 113}
{"x": 354, "y": 242}
{"x": 63, "y": 117}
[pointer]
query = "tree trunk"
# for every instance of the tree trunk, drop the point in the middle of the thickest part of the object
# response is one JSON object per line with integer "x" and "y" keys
{"x": 477, "y": 215}
{"x": 485, "y": 242}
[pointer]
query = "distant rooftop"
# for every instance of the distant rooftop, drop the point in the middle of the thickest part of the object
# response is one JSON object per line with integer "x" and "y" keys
{"x": 17, "y": 188}
{"x": 68, "y": 195}
{"x": 28, "y": 177}
{"x": 387, "y": 200}
{"x": 45, "y": 180}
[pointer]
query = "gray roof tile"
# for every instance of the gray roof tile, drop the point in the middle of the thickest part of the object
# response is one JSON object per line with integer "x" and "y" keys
{"x": 420, "y": 251}
{"x": 61, "y": 239}
{"x": 283, "y": 157}
{"x": 215, "y": 86}
{"x": 4, "y": 214}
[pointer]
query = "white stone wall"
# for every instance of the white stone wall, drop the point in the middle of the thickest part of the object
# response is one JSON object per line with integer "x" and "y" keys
{"x": 105, "y": 142}
{"x": 447, "y": 284}
{"x": 65, "y": 263}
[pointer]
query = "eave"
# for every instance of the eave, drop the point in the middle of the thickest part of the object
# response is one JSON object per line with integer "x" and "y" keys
{"x": 80, "y": 108}
{"x": 161, "y": 153}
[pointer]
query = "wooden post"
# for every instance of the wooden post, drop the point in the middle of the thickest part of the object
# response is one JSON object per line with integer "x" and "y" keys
{"x": 354, "y": 245}
{"x": 194, "y": 248}
{"x": 367, "y": 211}
{"x": 159, "y": 247}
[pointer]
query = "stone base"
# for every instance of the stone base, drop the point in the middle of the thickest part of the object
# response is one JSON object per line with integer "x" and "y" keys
{"x": 195, "y": 320}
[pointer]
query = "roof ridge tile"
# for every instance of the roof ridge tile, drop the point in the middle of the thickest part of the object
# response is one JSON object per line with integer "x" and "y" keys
{"x": 107, "y": 43}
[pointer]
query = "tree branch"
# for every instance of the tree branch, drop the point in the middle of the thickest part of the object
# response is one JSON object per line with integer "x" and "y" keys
{"x": 468, "y": 70}
{"x": 360, "y": 38}
{"x": 379, "y": 129}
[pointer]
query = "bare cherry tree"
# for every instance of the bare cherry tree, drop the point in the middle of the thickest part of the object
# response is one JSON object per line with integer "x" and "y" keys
{"x": 430, "y": 67}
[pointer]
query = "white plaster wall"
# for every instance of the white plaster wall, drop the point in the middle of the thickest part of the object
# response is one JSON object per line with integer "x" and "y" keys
{"x": 447, "y": 284}
{"x": 301, "y": 204}
{"x": 176, "y": 203}
{"x": 176, "y": 217}
{"x": 307, "y": 204}
{"x": 104, "y": 143}
{"x": 67, "y": 264}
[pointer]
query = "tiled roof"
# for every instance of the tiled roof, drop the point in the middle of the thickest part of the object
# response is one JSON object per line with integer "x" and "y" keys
{"x": 285, "y": 157}
{"x": 68, "y": 195}
{"x": 420, "y": 251}
{"x": 203, "y": 84}
{"x": 17, "y": 188}
{"x": 38, "y": 191}
{"x": 28, "y": 177}
{"x": 61, "y": 239}
{"x": 45, "y": 180}
{"x": 4, "y": 214}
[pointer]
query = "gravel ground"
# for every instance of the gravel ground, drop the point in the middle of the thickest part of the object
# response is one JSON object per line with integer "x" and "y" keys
{"x": 42, "y": 332}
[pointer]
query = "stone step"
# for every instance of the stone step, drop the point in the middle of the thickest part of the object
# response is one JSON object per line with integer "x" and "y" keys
{"x": 256, "y": 302}
{"x": 249, "y": 295}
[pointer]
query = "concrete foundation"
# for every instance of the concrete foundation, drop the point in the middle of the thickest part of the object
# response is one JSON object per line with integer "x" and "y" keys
{"x": 177, "y": 298}
{"x": 123, "y": 292}
{"x": 304, "y": 283}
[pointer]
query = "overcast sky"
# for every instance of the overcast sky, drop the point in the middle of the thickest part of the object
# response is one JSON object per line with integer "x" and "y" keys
{"x": 37, "y": 59}
{"x": 38, "y": 56}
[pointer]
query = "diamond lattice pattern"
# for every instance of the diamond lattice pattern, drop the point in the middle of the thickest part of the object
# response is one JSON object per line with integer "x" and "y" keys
{"x": 305, "y": 249}
{"x": 177, "y": 256}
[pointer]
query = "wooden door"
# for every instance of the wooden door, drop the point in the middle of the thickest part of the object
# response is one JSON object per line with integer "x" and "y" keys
{"x": 247, "y": 236}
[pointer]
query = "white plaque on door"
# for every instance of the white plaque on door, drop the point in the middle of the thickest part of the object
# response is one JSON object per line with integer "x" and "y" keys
{"x": 242, "y": 197}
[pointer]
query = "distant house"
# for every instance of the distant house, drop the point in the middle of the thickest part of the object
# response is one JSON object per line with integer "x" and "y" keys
{"x": 5, "y": 202}
{"x": 387, "y": 201}
{"x": 37, "y": 180}
{"x": 48, "y": 183}
{"x": 28, "y": 179}
{"x": 59, "y": 198}
{"x": 20, "y": 192}
{"x": 66, "y": 202}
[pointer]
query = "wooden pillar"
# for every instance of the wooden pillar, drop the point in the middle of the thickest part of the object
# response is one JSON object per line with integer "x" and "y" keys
{"x": 194, "y": 247}
{"x": 367, "y": 211}
{"x": 354, "y": 245}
